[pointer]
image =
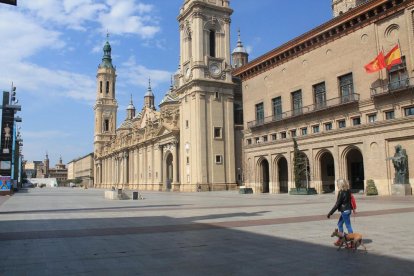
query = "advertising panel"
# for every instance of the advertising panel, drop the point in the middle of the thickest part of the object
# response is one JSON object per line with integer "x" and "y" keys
{"x": 5, "y": 183}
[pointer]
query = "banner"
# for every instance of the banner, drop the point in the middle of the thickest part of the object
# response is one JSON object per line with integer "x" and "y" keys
{"x": 5, "y": 183}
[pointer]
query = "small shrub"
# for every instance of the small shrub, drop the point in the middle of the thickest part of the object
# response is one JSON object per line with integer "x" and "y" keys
{"x": 371, "y": 188}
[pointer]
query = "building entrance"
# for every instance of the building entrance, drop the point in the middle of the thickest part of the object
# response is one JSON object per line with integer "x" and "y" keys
{"x": 327, "y": 173}
{"x": 169, "y": 176}
{"x": 264, "y": 165}
{"x": 356, "y": 175}
{"x": 283, "y": 175}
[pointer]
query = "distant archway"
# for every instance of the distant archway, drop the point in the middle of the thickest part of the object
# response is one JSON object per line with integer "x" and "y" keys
{"x": 282, "y": 166}
{"x": 355, "y": 169}
{"x": 264, "y": 176}
{"x": 170, "y": 169}
{"x": 327, "y": 172}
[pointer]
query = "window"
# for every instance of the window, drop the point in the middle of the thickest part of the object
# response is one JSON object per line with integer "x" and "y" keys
{"x": 219, "y": 159}
{"x": 216, "y": 95}
{"x": 315, "y": 129}
{"x": 107, "y": 87}
{"x": 356, "y": 121}
{"x": 389, "y": 115}
{"x": 283, "y": 135}
{"x": 398, "y": 76}
{"x": 249, "y": 141}
{"x": 188, "y": 160}
{"x": 297, "y": 102}
{"x": 186, "y": 123}
{"x": 277, "y": 108}
{"x": 259, "y": 113}
{"x": 217, "y": 132}
{"x": 341, "y": 124}
{"x": 265, "y": 138}
{"x": 409, "y": 111}
{"x": 257, "y": 140}
{"x": 304, "y": 131}
{"x": 106, "y": 125}
{"x": 100, "y": 86}
{"x": 293, "y": 133}
{"x": 328, "y": 126}
{"x": 372, "y": 118}
{"x": 212, "y": 43}
{"x": 319, "y": 92}
{"x": 274, "y": 136}
{"x": 346, "y": 88}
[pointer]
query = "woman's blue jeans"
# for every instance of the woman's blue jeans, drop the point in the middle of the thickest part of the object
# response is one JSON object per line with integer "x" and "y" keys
{"x": 345, "y": 217}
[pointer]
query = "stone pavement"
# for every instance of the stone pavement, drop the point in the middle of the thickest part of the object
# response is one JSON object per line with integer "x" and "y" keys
{"x": 66, "y": 231}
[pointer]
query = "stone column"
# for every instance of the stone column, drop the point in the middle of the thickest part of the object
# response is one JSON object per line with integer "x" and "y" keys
{"x": 175, "y": 161}
{"x": 161, "y": 164}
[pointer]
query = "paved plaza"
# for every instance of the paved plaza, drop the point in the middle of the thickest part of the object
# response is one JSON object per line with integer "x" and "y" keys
{"x": 66, "y": 231}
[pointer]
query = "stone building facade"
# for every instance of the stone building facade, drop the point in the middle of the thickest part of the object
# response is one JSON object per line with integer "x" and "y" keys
{"x": 82, "y": 168}
{"x": 315, "y": 89}
{"x": 189, "y": 143}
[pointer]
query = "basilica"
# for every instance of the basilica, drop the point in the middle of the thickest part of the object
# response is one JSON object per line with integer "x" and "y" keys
{"x": 189, "y": 142}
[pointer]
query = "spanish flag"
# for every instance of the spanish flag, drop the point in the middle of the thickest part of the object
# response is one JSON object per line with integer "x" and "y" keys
{"x": 393, "y": 57}
{"x": 376, "y": 65}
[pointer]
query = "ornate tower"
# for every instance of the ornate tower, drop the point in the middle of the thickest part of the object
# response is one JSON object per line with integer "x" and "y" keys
{"x": 341, "y": 6}
{"x": 239, "y": 55}
{"x": 205, "y": 89}
{"x": 149, "y": 97}
{"x": 130, "y": 110}
{"x": 106, "y": 106}
{"x": 47, "y": 164}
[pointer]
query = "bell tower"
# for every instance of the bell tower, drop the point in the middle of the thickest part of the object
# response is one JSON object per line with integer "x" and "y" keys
{"x": 342, "y": 6}
{"x": 105, "y": 106}
{"x": 206, "y": 92}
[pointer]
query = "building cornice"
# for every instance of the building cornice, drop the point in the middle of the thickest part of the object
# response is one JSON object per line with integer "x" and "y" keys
{"x": 345, "y": 24}
{"x": 202, "y": 5}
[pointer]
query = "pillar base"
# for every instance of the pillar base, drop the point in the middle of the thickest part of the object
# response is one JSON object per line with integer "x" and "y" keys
{"x": 401, "y": 190}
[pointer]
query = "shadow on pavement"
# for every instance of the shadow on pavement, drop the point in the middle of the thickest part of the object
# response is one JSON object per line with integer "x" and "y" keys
{"x": 162, "y": 245}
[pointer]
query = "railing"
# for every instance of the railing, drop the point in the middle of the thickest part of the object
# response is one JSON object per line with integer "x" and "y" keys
{"x": 344, "y": 100}
{"x": 389, "y": 87}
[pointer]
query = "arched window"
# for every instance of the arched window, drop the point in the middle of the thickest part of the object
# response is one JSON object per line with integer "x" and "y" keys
{"x": 100, "y": 86}
{"x": 106, "y": 125}
{"x": 212, "y": 43}
{"x": 107, "y": 87}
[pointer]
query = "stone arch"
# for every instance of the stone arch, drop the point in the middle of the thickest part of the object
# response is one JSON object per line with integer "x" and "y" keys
{"x": 169, "y": 169}
{"x": 353, "y": 167}
{"x": 281, "y": 173}
{"x": 263, "y": 169}
{"x": 325, "y": 171}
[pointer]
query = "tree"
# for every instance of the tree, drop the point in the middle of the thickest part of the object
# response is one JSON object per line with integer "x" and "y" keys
{"x": 299, "y": 165}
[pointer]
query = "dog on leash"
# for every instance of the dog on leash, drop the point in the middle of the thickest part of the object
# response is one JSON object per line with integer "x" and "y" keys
{"x": 353, "y": 240}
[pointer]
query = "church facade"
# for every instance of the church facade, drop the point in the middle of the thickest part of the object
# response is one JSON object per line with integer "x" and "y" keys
{"x": 190, "y": 142}
{"x": 315, "y": 89}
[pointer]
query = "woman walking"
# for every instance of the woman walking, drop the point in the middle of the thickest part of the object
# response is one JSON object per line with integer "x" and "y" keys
{"x": 343, "y": 204}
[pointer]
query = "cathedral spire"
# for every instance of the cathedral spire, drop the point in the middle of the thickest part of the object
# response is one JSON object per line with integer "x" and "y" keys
{"x": 149, "y": 96}
{"x": 107, "y": 58}
{"x": 240, "y": 55}
{"x": 131, "y": 110}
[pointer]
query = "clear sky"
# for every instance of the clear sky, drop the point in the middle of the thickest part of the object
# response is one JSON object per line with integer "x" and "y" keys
{"x": 50, "y": 49}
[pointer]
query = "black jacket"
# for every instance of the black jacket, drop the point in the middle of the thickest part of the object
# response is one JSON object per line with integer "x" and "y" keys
{"x": 343, "y": 202}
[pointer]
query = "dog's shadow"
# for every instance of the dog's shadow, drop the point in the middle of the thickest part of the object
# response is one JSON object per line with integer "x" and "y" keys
{"x": 367, "y": 241}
